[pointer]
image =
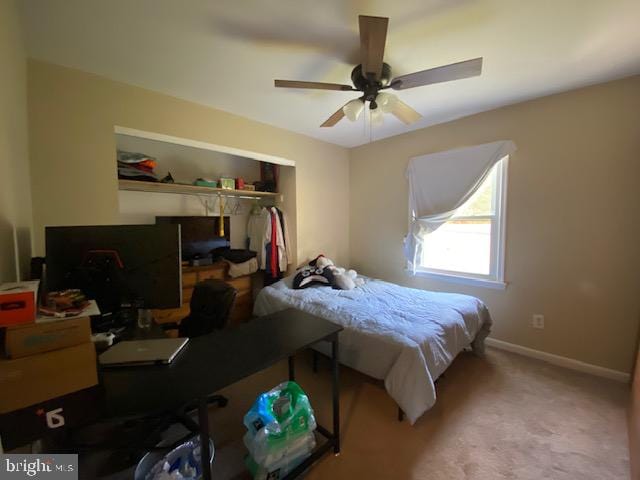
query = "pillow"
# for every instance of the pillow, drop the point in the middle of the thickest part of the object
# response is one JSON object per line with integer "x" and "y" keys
{"x": 309, "y": 276}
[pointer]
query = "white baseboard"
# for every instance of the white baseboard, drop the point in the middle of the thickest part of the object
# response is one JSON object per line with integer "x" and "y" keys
{"x": 560, "y": 361}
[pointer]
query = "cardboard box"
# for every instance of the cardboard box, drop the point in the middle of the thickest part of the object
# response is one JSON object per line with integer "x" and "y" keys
{"x": 29, "y": 380}
{"x": 18, "y": 302}
{"x": 44, "y": 336}
{"x": 227, "y": 183}
{"x": 21, "y": 427}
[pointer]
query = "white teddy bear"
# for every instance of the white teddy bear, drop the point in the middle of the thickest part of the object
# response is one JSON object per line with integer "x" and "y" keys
{"x": 343, "y": 279}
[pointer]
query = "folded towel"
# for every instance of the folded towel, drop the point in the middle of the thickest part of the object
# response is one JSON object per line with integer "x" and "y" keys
{"x": 244, "y": 268}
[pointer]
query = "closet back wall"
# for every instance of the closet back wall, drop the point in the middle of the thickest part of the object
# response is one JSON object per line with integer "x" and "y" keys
{"x": 186, "y": 164}
{"x": 72, "y": 115}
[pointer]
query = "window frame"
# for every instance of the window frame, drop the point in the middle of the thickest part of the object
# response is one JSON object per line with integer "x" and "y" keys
{"x": 495, "y": 278}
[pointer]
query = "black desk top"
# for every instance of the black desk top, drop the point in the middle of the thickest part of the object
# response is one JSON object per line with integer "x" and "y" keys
{"x": 212, "y": 362}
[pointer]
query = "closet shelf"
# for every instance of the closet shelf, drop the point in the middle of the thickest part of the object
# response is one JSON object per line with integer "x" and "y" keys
{"x": 139, "y": 186}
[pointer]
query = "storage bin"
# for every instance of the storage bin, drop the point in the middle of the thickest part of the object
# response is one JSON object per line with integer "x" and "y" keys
{"x": 150, "y": 463}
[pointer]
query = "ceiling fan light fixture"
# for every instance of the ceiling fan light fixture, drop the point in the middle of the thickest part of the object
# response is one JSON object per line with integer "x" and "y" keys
{"x": 353, "y": 109}
{"x": 377, "y": 117}
{"x": 386, "y": 101}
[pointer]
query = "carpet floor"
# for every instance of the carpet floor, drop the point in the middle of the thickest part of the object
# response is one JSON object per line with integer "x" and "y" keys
{"x": 499, "y": 417}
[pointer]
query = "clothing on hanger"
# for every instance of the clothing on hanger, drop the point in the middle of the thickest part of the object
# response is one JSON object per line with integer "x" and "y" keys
{"x": 255, "y": 235}
{"x": 285, "y": 239}
{"x": 275, "y": 253}
{"x": 268, "y": 236}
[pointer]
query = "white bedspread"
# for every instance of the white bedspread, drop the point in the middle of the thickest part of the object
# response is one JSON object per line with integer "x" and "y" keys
{"x": 407, "y": 337}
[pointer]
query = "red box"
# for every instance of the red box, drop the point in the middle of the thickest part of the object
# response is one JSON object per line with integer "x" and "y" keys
{"x": 18, "y": 303}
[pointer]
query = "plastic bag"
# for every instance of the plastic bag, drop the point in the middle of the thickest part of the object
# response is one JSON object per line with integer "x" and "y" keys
{"x": 181, "y": 463}
{"x": 268, "y": 457}
{"x": 280, "y": 425}
{"x": 283, "y": 410}
{"x": 278, "y": 469}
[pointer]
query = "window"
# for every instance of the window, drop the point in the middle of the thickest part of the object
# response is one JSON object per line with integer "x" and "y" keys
{"x": 471, "y": 244}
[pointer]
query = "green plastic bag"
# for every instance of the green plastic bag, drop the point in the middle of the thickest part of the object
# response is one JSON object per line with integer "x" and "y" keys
{"x": 277, "y": 419}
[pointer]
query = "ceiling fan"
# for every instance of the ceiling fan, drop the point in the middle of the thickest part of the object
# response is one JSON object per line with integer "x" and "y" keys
{"x": 373, "y": 75}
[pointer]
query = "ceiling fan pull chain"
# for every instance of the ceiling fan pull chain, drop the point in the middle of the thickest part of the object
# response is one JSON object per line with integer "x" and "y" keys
{"x": 370, "y": 124}
{"x": 364, "y": 122}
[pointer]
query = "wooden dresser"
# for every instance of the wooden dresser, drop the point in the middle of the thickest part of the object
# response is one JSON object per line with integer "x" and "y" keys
{"x": 242, "y": 309}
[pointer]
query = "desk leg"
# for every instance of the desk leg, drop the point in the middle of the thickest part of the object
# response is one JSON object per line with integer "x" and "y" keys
{"x": 292, "y": 369}
{"x": 315, "y": 362}
{"x": 203, "y": 420}
{"x": 336, "y": 394}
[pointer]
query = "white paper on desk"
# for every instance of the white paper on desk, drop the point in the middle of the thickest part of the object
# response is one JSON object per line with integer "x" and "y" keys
{"x": 91, "y": 310}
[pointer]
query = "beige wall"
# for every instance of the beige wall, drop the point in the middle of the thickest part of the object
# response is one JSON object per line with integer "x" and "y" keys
{"x": 573, "y": 218}
{"x": 15, "y": 198}
{"x": 71, "y": 118}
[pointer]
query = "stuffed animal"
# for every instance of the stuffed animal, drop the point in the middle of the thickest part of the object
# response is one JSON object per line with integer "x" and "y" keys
{"x": 322, "y": 271}
{"x": 313, "y": 275}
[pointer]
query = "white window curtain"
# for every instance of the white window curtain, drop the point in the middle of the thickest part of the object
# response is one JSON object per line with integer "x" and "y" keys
{"x": 439, "y": 183}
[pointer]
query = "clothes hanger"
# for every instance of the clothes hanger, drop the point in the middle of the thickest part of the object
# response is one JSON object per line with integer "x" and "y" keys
{"x": 256, "y": 208}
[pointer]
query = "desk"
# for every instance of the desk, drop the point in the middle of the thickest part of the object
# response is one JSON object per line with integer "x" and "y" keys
{"x": 211, "y": 362}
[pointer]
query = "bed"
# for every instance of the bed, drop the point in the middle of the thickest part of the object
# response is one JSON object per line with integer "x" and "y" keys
{"x": 404, "y": 336}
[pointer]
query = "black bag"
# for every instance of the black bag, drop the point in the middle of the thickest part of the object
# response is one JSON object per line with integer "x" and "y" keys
{"x": 234, "y": 255}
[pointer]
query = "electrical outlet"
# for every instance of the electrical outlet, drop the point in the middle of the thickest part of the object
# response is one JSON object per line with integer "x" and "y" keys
{"x": 537, "y": 321}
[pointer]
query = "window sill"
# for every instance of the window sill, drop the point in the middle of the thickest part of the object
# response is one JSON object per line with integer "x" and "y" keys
{"x": 459, "y": 279}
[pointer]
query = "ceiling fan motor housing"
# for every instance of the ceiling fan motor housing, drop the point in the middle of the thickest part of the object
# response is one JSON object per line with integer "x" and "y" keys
{"x": 370, "y": 86}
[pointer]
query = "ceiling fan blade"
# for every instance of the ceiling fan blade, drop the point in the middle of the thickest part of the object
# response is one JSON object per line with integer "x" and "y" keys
{"x": 373, "y": 36}
{"x": 455, "y": 71}
{"x": 335, "y": 118}
{"x": 405, "y": 113}
{"x": 316, "y": 85}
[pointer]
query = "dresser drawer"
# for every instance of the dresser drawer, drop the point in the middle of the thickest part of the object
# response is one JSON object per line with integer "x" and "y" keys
{"x": 171, "y": 315}
{"x": 241, "y": 313}
{"x": 215, "y": 273}
{"x": 187, "y": 293}
{"x": 189, "y": 279}
{"x": 241, "y": 284}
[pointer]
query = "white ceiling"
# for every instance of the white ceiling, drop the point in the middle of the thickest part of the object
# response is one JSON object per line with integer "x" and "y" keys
{"x": 226, "y": 54}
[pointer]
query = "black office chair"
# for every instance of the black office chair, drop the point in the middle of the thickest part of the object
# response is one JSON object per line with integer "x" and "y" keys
{"x": 210, "y": 308}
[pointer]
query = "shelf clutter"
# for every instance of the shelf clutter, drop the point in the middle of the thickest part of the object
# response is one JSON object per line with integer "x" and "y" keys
{"x": 136, "y": 172}
{"x": 181, "y": 189}
{"x": 136, "y": 166}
